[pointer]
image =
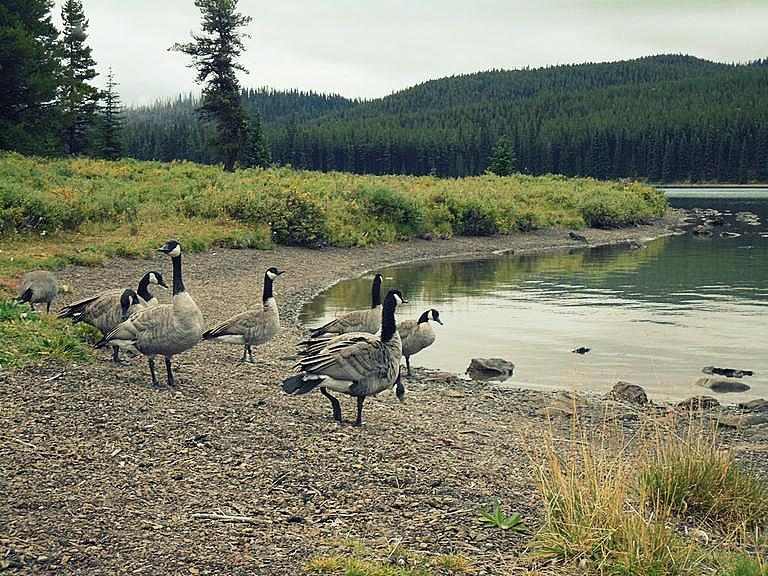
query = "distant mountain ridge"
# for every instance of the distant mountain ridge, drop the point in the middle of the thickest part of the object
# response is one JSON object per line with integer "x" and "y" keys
{"x": 664, "y": 118}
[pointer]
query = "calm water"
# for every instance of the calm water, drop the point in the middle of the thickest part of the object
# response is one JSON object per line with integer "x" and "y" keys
{"x": 652, "y": 316}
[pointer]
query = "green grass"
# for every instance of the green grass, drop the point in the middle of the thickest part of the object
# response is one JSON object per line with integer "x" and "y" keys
{"x": 27, "y": 337}
{"x": 355, "y": 558}
{"x": 57, "y": 211}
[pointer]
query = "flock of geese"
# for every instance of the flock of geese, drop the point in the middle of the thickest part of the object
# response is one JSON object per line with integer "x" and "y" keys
{"x": 357, "y": 354}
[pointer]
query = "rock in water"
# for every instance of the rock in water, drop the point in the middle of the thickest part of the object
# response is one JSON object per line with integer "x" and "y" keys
{"x": 581, "y": 350}
{"x": 727, "y": 372}
{"x": 722, "y": 385}
{"x": 626, "y": 392}
{"x": 483, "y": 369}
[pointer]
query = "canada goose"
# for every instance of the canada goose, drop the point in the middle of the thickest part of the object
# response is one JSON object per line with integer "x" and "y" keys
{"x": 417, "y": 334}
{"x": 359, "y": 363}
{"x": 367, "y": 320}
{"x": 38, "y": 286}
{"x": 252, "y": 327}
{"x": 166, "y": 329}
{"x": 105, "y": 310}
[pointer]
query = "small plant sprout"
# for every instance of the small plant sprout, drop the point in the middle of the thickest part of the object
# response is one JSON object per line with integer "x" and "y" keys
{"x": 495, "y": 517}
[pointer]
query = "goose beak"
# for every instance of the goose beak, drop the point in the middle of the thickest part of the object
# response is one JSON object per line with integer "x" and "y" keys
{"x": 164, "y": 248}
{"x": 281, "y": 272}
{"x": 163, "y": 284}
{"x": 439, "y": 321}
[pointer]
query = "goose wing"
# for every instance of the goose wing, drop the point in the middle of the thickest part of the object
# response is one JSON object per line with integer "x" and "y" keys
{"x": 367, "y": 320}
{"x": 353, "y": 357}
{"x": 407, "y": 328}
{"x": 146, "y": 325}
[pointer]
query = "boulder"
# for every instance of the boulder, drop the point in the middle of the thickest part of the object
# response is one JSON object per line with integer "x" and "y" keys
{"x": 697, "y": 403}
{"x": 742, "y": 420}
{"x": 722, "y": 385}
{"x": 483, "y": 369}
{"x": 729, "y": 234}
{"x": 629, "y": 393}
{"x": 703, "y": 230}
{"x": 760, "y": 405}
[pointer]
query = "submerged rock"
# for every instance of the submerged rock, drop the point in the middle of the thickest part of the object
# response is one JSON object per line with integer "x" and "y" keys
{"x": 703, "y": 230}
{"x": 697, "y": 403}
{"x": 626, "y": 392}
{"x": 727, "y": 372}
{"x": 722, "y": 385}
{"x": 729, "y": 234}
{"x": 483, "y": 369}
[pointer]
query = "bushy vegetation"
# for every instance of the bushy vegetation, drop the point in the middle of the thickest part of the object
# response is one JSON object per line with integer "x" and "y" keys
{"x": 620, "y": 506}
{"x": 83, "y": 209}
{"x": 27, "y": 337}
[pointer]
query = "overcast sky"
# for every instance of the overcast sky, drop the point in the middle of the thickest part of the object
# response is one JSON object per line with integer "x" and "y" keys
{"x": 366, "y": 49}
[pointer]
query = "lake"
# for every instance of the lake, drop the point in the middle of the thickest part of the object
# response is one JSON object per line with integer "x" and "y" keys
{"x": 653, "y": 316}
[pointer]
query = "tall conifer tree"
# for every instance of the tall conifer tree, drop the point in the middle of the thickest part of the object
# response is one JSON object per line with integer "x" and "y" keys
{"x": 29, "y": 74}
{"x": 78, "y": 98}
{"x": 111, "y": 146}
{"x": 214, "y": 55}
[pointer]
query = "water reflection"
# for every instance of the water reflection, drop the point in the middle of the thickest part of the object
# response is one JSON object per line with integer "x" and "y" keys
{"x": 653, "y": 316}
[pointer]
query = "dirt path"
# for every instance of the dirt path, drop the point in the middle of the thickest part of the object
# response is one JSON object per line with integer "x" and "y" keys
{"x": 101, "y": 473}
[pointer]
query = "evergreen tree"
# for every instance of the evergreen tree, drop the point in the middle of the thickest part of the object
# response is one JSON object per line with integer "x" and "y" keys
{"x": 111, "y": 122}
{"x": 257, "y": 152}
{"x": 503, "y": 159}
{"x": 29, "y": 74}
{"x": 215, "y": 54}
{"x": 78, "y": 99}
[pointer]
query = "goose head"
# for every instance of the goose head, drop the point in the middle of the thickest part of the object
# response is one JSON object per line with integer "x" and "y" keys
{"x": 127, "y": 299}
{"x": 394, "y": 298}
{"x": 273, "y": 272}
{"x": 435, "y": 315}
{"x": 172, "y": 248}
{"x": 156, "y": 278}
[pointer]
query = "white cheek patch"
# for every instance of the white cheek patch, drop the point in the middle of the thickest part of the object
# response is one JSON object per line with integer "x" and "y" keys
{"x": 175, "y": 252}
{"x": 271, "y": 275}
{"x": 398, "y": 300}
{"x": 152, "y": 278}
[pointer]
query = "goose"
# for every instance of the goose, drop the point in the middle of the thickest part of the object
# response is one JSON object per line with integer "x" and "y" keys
{"x": 366, "y": 320}
{"x": 358, "y": 363}
{"x": 104, "y": 311}
{"x": 417, "y": 334}
{"x": 252, "y": 327}
{"x": 165, "y": 329}
{"x": 38, "y": 286}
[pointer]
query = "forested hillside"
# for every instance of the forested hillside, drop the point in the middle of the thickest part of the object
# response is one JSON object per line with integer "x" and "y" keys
{"x": 664, "y": 118}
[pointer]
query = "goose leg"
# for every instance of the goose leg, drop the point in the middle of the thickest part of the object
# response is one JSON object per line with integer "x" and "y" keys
{"x": 116, "y": 354}
{"x": 359, "y": 420}
{"x": 250, "y": 353}
{"x": 245, "y": 351}
{"x": 334, "y": 403}
{"x": 48, "y": 308}
{"x": 152, "y": 371}
{"x": 169, "y": 372}
{"x": 408, "y": 364}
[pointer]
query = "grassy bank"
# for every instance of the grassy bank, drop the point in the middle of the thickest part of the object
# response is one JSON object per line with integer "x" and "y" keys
{"x": 82, "y": 210}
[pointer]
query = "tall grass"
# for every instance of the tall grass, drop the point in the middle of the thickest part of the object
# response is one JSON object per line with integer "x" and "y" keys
{"x": 118, "y": 207}
{"x": 620, "y": 505}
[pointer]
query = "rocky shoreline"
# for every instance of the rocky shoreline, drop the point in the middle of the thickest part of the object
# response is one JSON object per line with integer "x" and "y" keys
{"x": 107, "y": 475}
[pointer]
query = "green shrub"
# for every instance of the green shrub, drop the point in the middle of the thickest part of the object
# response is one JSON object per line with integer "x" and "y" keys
{"x": 386, "y": 205}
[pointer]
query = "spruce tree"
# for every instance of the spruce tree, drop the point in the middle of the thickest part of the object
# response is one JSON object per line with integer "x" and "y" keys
{"x": 257, "y": 151}
{"x": 111, "y": 122}
{"x": 214, "y": 55}
{"x": 78, "y": 99}
{"x": 29, "y": 74}
{"x": 503, "y": 159}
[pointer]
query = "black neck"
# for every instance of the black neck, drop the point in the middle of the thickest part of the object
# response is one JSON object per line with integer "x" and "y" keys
{"x": 267, "y": 288}
{"x": 388, "y": 325}
{"x": 143, "y": 290}
{"x": 178, "y": 283}
{"x": 376, "y": 292}
{"x": 424, "y": 317}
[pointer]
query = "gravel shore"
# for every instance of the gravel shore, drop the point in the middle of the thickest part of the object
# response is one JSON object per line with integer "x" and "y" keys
{"x": 104, "y": 474}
